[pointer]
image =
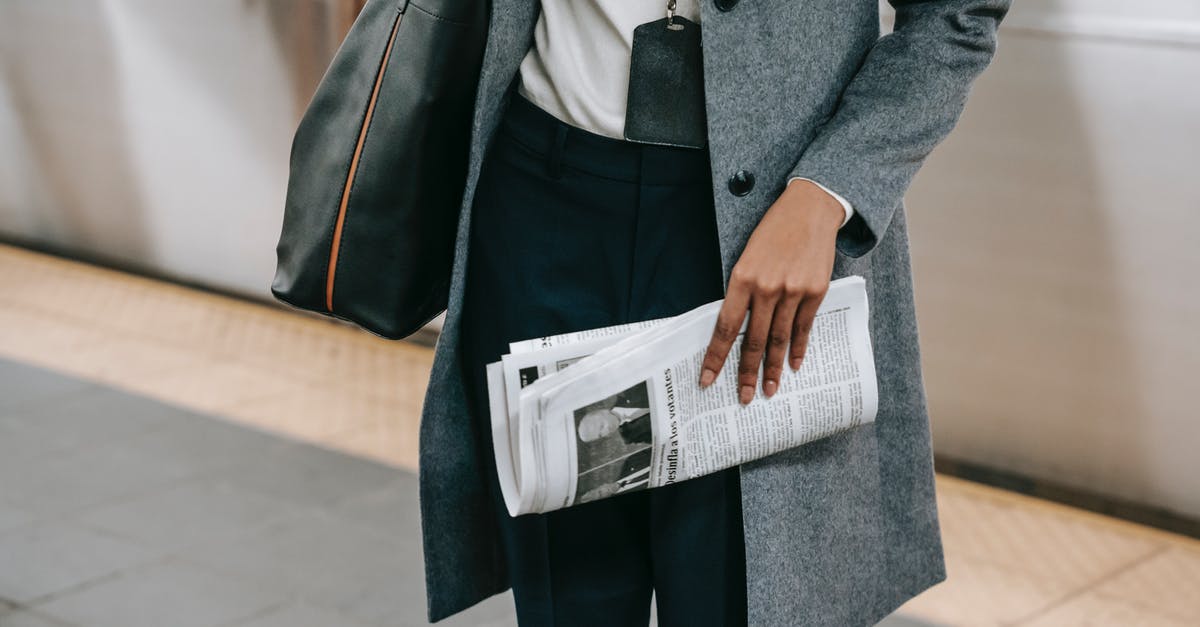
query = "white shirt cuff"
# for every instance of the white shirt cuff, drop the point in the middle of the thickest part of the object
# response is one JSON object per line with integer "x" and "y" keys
{"x": 842, "y": 201}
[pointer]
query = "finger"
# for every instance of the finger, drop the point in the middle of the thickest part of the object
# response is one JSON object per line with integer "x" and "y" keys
{"x": 803, "y": 326}
{"x": 754, "y": 343}
{"x": 725, "y": 331}
{"x": 778, "y": 340}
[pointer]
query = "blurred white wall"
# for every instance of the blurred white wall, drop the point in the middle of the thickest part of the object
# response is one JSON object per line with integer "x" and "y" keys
{"x": 1054, "y": 233}
{"x": 155, "y": 134}
{"x": 1056, "y": 241}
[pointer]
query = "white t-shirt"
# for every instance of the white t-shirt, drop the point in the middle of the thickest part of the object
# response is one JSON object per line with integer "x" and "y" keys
{"x": 578, "y": 66}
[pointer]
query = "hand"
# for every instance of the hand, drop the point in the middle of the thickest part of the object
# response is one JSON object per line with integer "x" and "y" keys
{"x": 781, "y": 278}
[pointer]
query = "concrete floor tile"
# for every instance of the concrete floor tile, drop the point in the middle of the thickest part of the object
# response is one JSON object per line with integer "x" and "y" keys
{"x": 30, "y": 619}
{"x": 44, "y": 558}
{"x": 401, "y": 602}
{"x": 313, "y": 476}
{"x": 392, "y": 511}
{"x": 89, "y": 476}
{"x": 12, "y": 517}
{"x": 93, "y": 417}
{"x": 302, "y": 615}
{"x": 326, "y": 560}
{"x": 167, "y": 593}
{"x": 205, "y": 444}
{"x": 23, "y": 386}
{"x": 195, "y": 512}
{"x": 497, "y": 611}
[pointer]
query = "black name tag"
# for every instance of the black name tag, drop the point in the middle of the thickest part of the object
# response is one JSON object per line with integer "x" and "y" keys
{"x": 666, "y": 85}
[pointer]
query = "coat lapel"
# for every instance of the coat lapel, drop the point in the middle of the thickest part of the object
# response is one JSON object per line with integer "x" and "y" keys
{"x": 510, "y": 34}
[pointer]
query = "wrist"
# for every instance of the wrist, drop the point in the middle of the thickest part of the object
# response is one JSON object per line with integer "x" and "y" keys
{"x": 815, "y": 202}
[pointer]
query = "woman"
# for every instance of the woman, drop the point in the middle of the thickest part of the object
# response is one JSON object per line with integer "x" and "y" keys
{"x": 578, "y": 215}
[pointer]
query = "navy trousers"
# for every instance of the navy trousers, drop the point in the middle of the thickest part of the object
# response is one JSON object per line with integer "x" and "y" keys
{"x": 572, "y": 230}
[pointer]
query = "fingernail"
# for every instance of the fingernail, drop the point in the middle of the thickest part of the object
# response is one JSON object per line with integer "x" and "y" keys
{"x": 795, "y": 363}
{"x": 745, "y": 393}
{"x": 707, "y": 377}
{"x": 769, "y": 388}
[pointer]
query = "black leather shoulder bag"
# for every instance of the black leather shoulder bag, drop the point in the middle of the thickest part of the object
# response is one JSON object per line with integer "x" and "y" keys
{"x": 378, "y": 165}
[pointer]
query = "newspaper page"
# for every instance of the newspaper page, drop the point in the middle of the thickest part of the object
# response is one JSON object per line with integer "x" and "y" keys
{"x": 608, "y": 334}
{"x": 528, "y": 361}
{"x": 628, "y": 413}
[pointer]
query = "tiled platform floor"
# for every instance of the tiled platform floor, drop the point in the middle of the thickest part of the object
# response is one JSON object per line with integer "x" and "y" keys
{"x": 124, "y": 501}
{"x": 118, "y": 510}
{"x": 121, "y": 511}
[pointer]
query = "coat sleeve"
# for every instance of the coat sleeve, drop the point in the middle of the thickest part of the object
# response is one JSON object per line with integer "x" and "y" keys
{"x": 905, "y": 97}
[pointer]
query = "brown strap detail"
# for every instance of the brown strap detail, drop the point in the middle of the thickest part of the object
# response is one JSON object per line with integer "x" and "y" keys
{"x": 362, "y": 136}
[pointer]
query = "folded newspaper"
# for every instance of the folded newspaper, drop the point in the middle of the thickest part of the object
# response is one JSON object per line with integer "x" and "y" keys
{"x": 583, "y": 416}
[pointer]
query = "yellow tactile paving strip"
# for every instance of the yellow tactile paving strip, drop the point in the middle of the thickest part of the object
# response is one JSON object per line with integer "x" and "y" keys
{"x": 1012, "y": 559}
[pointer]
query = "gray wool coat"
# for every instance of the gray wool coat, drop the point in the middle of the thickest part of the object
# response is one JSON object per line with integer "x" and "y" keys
{"x": 844, "y": 530}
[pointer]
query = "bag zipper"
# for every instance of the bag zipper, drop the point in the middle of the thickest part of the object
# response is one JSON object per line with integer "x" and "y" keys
{"x": 362, "y": 136}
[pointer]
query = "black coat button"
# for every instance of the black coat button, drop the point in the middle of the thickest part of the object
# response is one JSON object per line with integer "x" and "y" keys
{"x": 741, "y": 183}
{"x": 725, "y": 5}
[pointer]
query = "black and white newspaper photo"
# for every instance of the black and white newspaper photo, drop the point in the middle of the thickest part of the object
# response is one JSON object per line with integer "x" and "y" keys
{"x": 613, "y": 447}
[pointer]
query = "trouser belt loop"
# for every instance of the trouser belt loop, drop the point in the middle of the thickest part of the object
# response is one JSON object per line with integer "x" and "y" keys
{"x": 554, "y": 157}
